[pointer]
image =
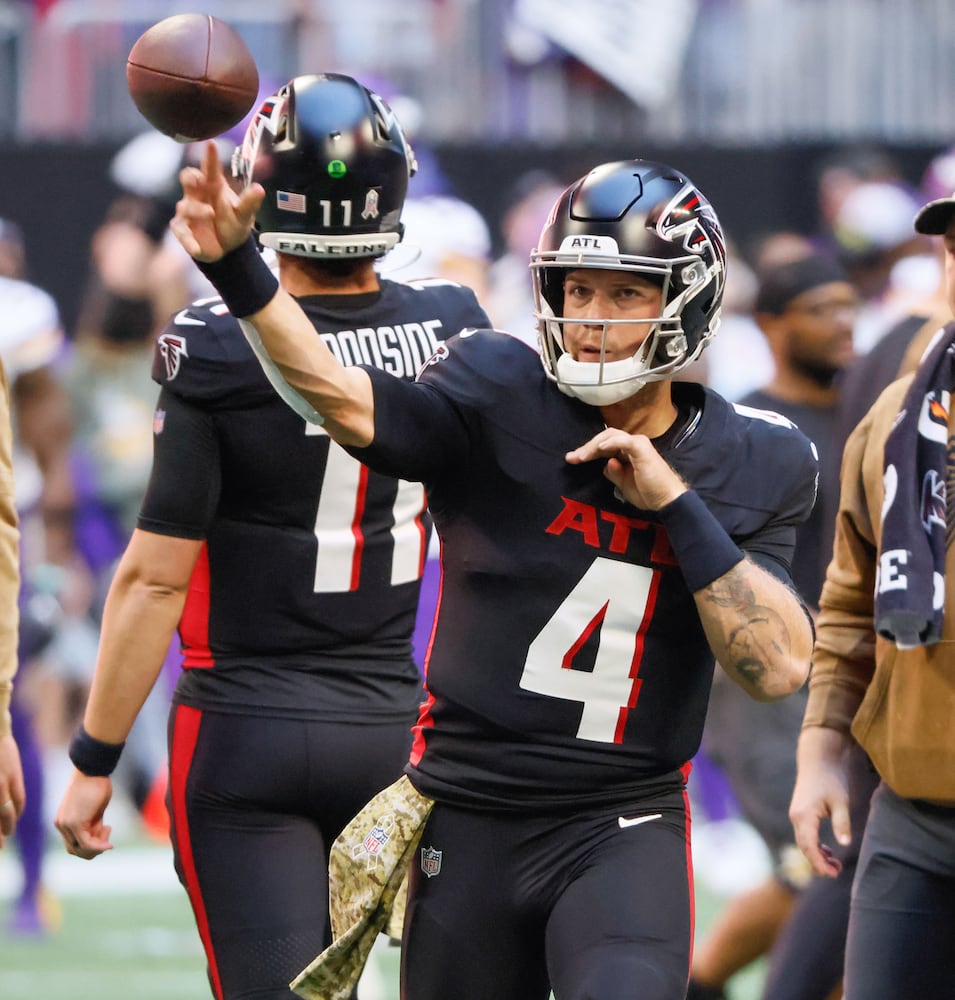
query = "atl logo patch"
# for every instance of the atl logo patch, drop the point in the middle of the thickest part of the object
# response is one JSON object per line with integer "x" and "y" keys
{"x": 430, "y": 861}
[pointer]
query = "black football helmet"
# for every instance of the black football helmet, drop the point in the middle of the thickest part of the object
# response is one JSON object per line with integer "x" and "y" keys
{"x": 631, "y": 215}
{"x": 335, "y": 167}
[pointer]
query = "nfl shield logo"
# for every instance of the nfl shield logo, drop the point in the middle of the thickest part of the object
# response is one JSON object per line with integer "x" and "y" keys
{"x": 373, "y": 843}
{"x": 375, "y": 840}
{"x": 430, "y": 861}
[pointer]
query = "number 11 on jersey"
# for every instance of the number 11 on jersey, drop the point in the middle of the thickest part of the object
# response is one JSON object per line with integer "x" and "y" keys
{"x": 339, "y": 528}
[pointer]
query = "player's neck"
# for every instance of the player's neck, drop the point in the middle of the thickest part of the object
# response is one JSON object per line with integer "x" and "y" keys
{"x": 651, "y": 411}
{"x": 302, "y": 276}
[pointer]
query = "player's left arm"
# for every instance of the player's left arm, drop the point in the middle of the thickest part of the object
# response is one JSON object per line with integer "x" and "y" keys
{"x": 758, "y": 630}
{"x": 754, "y": 622}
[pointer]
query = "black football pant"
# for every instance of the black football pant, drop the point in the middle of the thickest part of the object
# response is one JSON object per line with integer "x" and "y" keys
{"x": 505, "y": 906}
{"x": 901, "y": 940}
{"x": 255, "y": 804}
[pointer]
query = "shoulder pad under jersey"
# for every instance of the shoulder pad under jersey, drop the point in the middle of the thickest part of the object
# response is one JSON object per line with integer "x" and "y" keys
{"x": 203, "y": 356}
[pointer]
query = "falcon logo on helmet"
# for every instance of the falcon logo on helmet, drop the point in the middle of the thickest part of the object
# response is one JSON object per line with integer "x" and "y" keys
{"x": 693, "y": 219}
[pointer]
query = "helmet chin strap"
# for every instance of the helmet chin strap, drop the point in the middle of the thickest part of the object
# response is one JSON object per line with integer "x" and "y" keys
{"x": 600, "y": 385}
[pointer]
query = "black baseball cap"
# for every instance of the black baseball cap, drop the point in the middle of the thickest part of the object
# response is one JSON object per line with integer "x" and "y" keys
{"x": 934, "y": 218}
{"x": 781, "y": 283}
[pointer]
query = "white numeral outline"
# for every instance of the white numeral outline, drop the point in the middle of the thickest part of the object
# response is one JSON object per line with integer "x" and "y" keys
{"x": 338, "y": 532}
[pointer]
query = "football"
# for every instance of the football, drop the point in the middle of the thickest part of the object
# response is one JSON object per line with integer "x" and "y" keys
{"x": 192, "y": 76}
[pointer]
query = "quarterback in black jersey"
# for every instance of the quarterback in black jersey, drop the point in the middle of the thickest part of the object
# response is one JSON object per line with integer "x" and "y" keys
{"x": 606, "y": 535}
{"x": 291, "y": 569}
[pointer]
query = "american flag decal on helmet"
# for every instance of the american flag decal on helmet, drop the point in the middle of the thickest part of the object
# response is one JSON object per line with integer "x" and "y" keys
{"x": 172, "y": 347}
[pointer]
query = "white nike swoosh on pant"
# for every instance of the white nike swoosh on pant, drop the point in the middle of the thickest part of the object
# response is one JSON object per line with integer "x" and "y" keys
{"x": 637, "y": 820}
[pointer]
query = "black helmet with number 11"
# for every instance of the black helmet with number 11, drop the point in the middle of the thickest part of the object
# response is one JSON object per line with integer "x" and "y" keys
{"x": 644, "y": 217}
{"x": 335, "y": 167}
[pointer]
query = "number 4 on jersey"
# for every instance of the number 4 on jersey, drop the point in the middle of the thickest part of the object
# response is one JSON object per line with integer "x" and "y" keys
{"x": 612, "y": 604}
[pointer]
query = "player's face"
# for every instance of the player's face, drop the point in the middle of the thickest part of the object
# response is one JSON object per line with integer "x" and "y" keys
{"x": 818, "y": 329}
{"x": 592, "y": 296}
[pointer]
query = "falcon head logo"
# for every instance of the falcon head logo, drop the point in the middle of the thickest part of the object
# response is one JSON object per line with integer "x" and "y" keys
{"x": 172, "y": 348}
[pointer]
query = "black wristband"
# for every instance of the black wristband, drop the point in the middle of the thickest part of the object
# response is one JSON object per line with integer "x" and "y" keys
{"x": 242, "y": 278}
{"x": 700, "y": 543}
{"x": 92, "y": 756}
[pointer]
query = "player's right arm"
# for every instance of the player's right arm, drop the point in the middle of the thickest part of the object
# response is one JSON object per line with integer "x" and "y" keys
{"x": 843, "y": 660}
{"x": 211, "y": 221}
{"x": 821, "y": 791}
{"x": 143, "y": 607}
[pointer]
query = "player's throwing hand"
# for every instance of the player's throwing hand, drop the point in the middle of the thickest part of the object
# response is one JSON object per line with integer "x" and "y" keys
{"x": 211, "y": 218}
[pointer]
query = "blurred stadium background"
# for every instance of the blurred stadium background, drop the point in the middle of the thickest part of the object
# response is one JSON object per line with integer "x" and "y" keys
{"x": 747, "y": 96}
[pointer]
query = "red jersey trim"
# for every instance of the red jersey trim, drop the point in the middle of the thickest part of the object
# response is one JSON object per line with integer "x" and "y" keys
{"x": 194, "y": 623}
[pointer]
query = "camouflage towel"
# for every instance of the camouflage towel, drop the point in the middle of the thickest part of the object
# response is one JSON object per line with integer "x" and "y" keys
{"x": 367, "y": 873}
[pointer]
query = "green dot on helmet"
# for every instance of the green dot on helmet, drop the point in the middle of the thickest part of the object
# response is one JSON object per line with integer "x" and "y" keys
{"x": 337, "y": 169}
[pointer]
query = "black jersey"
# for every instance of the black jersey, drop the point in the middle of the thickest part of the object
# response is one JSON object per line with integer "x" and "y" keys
{"x": 568, "y": 659}
{"x": 303, "y": 600}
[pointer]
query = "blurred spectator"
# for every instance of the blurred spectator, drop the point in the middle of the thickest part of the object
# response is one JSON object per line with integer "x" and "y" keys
{"x": 139, "y": 278}
{"x": 444, "y": 235}
{"x": 31, "y": 343}
{"x": 898, "y": 350}
{"x": 510, "y": 300}
{"x": 12, "y": 783}
{"x": 146, "y": 172}
{"x": 890, "y": 264}
{"x": 739, "y": 360}
{"x": 839, "y": 173}
{"x": 806, "y": 309}
{"x": 823, "y": 910}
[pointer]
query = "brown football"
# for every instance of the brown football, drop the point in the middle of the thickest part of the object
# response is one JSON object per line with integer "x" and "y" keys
{"x": 192, "y": 76}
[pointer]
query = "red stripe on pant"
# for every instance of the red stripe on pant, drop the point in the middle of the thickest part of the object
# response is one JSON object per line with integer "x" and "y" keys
{"x": 185, "y": 736}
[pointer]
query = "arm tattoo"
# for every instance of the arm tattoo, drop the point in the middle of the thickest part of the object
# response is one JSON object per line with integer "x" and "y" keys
{"x": 760, "y": 638}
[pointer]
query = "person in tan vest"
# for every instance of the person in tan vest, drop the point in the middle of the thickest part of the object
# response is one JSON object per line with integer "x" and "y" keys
{"x": 12, "y": 791}
{"x": 882, "y": 675}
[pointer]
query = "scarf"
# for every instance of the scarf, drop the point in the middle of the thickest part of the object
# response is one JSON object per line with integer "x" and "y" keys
{"x": 910, "y": 582}
{"x": 368, "y": 885}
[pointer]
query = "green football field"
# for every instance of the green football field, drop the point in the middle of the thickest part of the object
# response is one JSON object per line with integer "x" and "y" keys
{"x": 126, "y": 933}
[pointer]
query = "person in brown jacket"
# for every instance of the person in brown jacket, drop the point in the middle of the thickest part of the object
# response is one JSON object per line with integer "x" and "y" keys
{"x": 12, "y": 792}
{"x": 883, "y": 672}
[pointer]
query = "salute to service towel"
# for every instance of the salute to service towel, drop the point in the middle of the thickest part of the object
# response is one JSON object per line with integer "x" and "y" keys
{"x": 367, "y": 872}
